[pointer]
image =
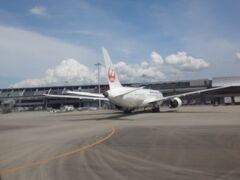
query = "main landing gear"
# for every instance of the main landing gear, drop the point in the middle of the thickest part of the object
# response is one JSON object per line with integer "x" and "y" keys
{"x": 156, "y": 108}
{"x": 127, "y": 111}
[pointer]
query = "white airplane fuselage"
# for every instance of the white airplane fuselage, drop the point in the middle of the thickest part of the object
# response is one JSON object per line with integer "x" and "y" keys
{"x": 136, "y": 98}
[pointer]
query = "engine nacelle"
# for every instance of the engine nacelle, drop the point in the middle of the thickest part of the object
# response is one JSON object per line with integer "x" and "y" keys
{"x": 175, "y": 103}
{"x": 105, "y": 94}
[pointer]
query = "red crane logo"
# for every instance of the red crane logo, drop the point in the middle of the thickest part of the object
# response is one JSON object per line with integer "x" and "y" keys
{"x": 111, "y": 75}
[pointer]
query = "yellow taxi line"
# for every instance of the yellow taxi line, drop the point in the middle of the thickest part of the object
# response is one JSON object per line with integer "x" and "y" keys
{"x": 58, "y": 156}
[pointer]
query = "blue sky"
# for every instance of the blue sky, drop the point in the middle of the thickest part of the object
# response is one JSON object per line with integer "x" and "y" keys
{"x": 36, "y": 36}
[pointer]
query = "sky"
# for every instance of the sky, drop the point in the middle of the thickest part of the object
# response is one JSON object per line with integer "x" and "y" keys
{"x": 58, "y": 42}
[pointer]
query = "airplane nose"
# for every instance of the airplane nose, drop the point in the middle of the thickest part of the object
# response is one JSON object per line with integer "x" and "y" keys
{"x": 106, "y": 94}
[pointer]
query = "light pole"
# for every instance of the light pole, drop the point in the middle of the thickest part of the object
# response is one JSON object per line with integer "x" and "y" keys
{"x": 144, "y": 76}
{"x": 98, "y": 65}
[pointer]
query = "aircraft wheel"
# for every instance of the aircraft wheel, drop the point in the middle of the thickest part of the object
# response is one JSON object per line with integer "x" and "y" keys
{"x": 156, "y": 109}
{"x": 127, "y": 111}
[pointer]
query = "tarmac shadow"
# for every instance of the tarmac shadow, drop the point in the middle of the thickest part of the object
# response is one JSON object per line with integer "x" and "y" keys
{"x": 110, "y": 116}
{"x": 194, "y": 112}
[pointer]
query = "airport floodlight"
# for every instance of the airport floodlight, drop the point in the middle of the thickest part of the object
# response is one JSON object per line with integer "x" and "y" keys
{"x": 98, "y": 66}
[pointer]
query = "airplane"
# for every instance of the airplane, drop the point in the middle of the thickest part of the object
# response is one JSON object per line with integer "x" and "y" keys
{"x": 131, "y": 98}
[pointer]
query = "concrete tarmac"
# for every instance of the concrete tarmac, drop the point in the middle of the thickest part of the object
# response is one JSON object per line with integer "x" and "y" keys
{"x": 197, "y": 142}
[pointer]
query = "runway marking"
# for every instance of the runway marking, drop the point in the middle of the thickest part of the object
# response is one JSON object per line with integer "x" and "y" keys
{"x": 59, "y": 156}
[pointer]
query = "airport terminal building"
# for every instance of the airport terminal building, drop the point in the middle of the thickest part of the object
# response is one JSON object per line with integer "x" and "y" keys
{"x": 33, "y": 97}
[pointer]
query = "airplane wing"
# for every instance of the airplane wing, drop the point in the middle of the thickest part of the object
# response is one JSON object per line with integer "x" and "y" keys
{"x": 85, "y": 94}
{"x": 186, "y": 94}
{"x": 76, "y": 97}
{"x": 193, "y": 92}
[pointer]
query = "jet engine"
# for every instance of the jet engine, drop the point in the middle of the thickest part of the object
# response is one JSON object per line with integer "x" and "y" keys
{"x": 105, "y": 94}
{"x": 175, "y": 103}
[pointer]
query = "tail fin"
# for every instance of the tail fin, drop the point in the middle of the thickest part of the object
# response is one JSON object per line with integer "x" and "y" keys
{"x": 110, "y": 73}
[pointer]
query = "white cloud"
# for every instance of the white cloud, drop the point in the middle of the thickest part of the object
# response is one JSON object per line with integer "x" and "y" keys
{"x": 73, "y": 72}
{"x": 238, "y": 56}
{"x": 30, "y": 83}
{"x": 69, "y": 71}
{"x": 186, "y": 63}
{"x": 157, "y": 58}
{"x": 38, "y": 51}
{"x": 39, "y": 11}
{"x": 139, "y": 73}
